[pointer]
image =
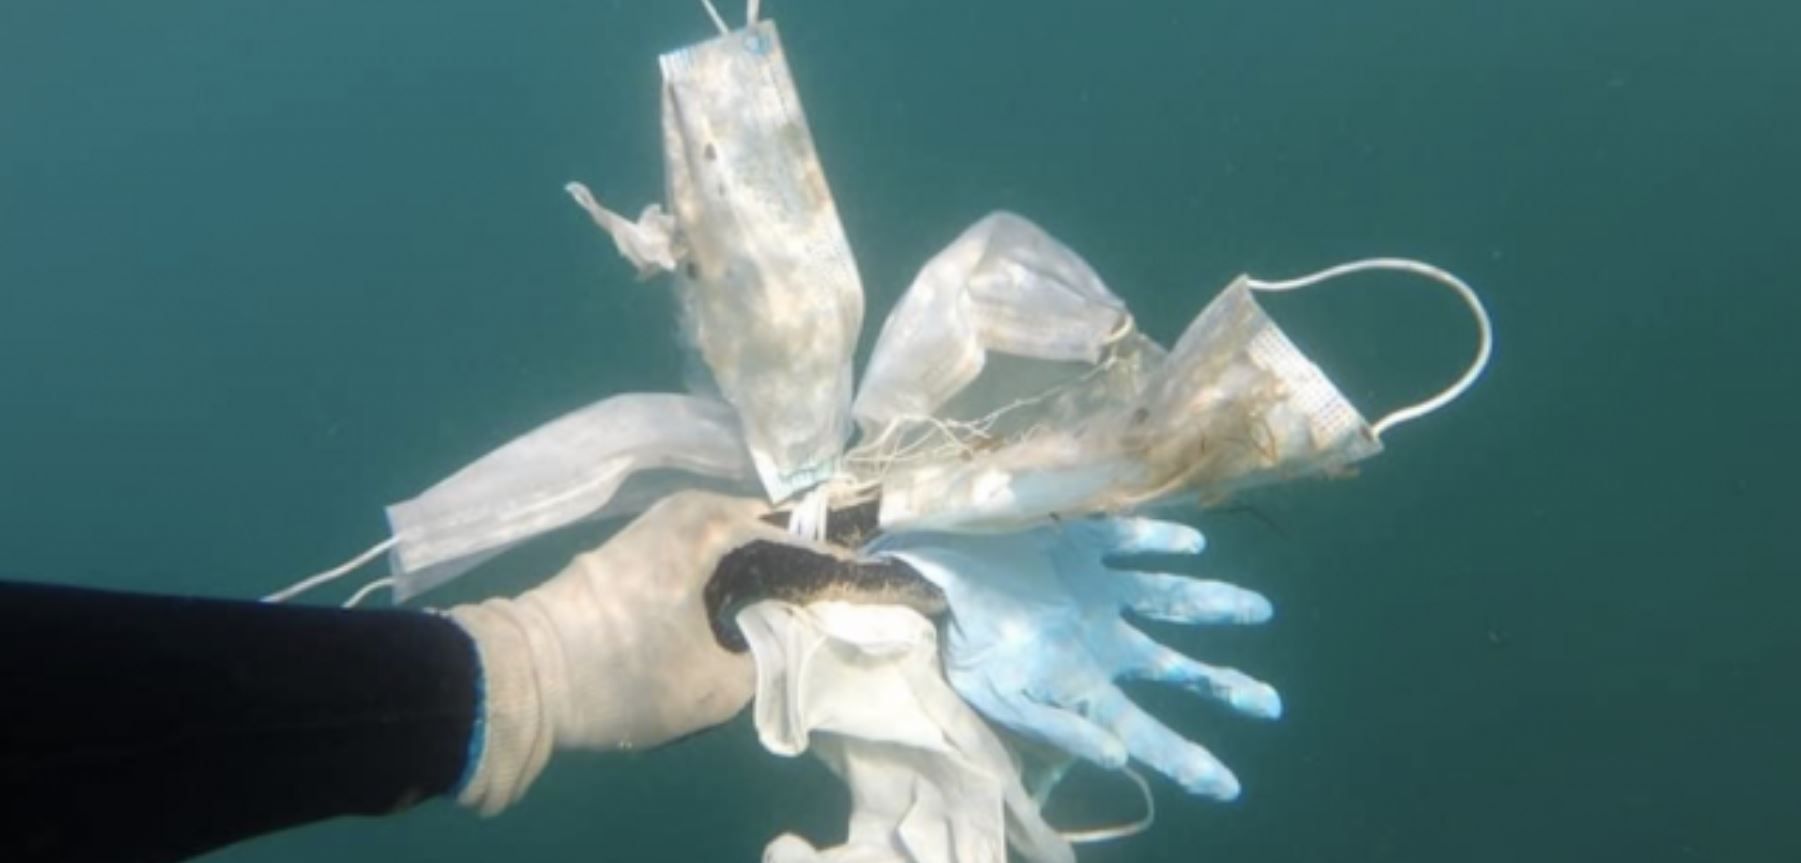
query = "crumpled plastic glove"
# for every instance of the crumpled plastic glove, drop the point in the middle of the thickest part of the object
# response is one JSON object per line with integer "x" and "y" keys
{"x": 1035, "y": 640}
{"x": 614, "y": 651}
{"x": 861, "y": 686}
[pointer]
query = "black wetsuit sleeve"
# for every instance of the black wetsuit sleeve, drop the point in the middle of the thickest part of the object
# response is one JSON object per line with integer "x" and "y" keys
{"x": 142, "y": 728}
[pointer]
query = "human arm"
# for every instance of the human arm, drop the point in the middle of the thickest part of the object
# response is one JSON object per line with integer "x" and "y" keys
{"x": 155, "y": 728}
{"x": 144, "y": 727}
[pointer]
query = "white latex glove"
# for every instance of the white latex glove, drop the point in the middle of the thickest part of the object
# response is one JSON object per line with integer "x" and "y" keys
{"x": 614, "y": 652}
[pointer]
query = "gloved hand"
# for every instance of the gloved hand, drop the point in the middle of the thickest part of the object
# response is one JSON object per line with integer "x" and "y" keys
{"x": 614, "y": 652}
{"x": 1036, "y": 642}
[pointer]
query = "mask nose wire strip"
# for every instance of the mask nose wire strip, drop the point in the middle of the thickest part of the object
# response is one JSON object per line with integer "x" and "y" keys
{"x": 1120, "y": 831}
{"x": 334, "y": 573}
{"x": 1485, "y": 332}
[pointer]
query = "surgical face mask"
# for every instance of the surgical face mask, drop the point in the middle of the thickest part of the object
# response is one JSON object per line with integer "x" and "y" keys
{"x": 1005, "y": 331}
{"x": 770, "y": 300}
{"x": 1002, "y": 308}
{"x": 1234, "y": 404}
{"x": 769, "y": 293}
{"x": 613, "y": 458}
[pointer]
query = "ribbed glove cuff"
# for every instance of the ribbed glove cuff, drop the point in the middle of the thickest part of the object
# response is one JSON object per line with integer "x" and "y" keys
{"x": 513, "y": 727}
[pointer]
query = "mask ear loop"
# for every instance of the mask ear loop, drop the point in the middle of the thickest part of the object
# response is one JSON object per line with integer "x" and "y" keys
{"x": 1485, "y": 332}
{"x": 335, "y": 573}
{"x": 718, "y": 20}
{"x": 1119, "y": 831}
{"x": 751, "y": 10}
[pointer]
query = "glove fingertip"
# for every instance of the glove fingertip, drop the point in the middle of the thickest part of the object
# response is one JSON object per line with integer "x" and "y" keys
{"x": 1210, "y": 778}
{"x": 1260, "y": 700}
{"x": 1255, "y": 608}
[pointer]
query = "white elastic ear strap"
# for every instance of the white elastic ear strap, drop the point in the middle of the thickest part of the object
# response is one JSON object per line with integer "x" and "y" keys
{"x": 750, "y": 15}
{"x": 1121, "y": 831}
{"x": 338, "y": 572}
{"x": 1485, "y": 333}
{"x": 718, "y": 21}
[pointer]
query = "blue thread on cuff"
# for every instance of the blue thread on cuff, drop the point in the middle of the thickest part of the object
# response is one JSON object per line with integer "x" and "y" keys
{"x": 478, "y": 726}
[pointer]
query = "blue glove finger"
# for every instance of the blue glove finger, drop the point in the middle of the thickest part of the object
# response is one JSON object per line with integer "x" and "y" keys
{"x": 1144, "y": 536}
{"x": 1180, "y": 599}
{"x": 1046, "y": 723}
{"x": 1071, "y": 733}
{"x": 1147, "y": 660}
{"x": 1189, "y": 764}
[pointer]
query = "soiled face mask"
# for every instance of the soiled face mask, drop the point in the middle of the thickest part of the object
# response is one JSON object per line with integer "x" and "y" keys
{"x": 1234, "y": 404}
{"x": 770, "y": 301}
{"x": 769, "y": 293}
{"x": 1000, "y": 310}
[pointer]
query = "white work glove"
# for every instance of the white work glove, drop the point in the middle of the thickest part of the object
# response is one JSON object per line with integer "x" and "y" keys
{"x": 614, "y": 652}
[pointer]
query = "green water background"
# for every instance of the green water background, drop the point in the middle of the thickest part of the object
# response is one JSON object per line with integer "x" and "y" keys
{"x": 265, "y": 267}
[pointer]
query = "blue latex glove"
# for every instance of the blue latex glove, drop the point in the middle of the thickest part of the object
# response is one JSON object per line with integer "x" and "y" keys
{"x": 1035, "y": 639}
